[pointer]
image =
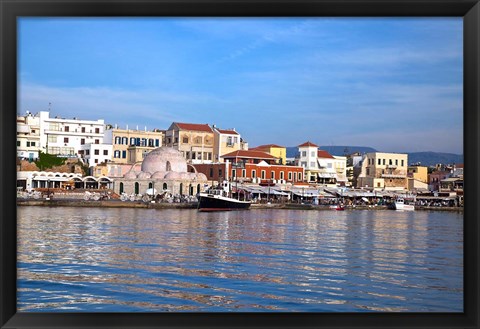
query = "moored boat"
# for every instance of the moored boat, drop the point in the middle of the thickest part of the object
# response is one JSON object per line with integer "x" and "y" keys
{"x": 400, "y": 204}
{"x": 217, "y": 199}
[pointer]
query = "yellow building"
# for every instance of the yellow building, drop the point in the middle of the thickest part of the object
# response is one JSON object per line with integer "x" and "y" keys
{"x": 277, "y": 151}
{"x": 123, "y": 139}
{"x": 227, "y": 141}
{"x": 194, "y": 141}
{"x": 419, "y": 173}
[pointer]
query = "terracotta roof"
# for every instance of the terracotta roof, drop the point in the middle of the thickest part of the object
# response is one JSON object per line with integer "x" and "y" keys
{"x": 193, "y": 126}
{"x": 230, "y": 132}
{"x": 249, "y": 154}
{"x": 324, "y": 154}
{"x": 268, "y": 146}
{"x": 308, "y": 144}
{"x": 459, "y": 165}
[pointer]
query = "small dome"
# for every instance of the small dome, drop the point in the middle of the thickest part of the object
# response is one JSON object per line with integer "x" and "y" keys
{"x": 159, "y": 174}
{"x": 164, "y": 159}
{"x": 201, "y": 176}
{"x": 143, "y": 175}
{"x": 130, "y": 175}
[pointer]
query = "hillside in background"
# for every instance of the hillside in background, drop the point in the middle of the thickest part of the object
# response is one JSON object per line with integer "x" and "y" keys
{"x": 425, "y": 158}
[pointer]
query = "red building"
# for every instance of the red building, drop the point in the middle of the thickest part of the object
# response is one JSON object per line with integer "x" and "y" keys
{"x": 251, "y": 166}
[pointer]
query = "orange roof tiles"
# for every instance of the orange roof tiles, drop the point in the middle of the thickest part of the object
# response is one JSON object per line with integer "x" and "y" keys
{"x": 193, "y": 126}
{"x": 308, "y": 144}
{"x": 324, "y": 154}
{"x": 249, "y": 154}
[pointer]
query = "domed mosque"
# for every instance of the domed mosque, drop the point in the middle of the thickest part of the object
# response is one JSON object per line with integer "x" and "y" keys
{"x": 165, "y": 170}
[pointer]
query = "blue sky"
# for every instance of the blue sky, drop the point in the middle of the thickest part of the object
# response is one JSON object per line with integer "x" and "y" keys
{"x": 394, "y": 84}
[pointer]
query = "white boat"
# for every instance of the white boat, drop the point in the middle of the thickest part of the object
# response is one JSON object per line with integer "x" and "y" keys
{"x": 217, "y": 199}
{"x": 401, "y": 205}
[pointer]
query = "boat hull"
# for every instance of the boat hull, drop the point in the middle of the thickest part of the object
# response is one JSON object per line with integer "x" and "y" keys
{"x": 402, "y": 206}
{"x": 218, "y": 203}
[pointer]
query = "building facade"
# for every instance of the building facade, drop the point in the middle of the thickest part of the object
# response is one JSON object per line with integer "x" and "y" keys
{"x": 28, "y": 137}
{"x": 279, "y": 152}
{"x": 94, "y": 154}
{"x": 226, "y": 141}
{"x": 384, "y": 171}
{"x": 122, "y": 139}
{"x": 194, "y": 141}
{"x": 419, "y": 173}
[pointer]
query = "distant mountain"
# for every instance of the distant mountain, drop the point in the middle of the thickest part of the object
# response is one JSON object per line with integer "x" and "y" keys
{"x": 432, "y": 158}
{"x": 425, "y": 158}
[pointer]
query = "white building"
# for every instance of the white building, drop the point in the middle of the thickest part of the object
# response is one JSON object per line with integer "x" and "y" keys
{"x": 384, "y": 171}
{"x": 65, "y": 137}
{"x": 28, "y": 136}
{"x": 94, "y": 154}
{"x": 308, "y": 160}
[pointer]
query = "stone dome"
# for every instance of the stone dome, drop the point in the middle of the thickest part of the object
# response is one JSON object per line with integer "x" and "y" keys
{"x": 201, "y": 176}
{"x": 177, "y": 176}
{"x": 143, "y": 175}
{"x": 164, "y": 159}
{"x": 130, "y": 175}
{"x": 159, "y": 174}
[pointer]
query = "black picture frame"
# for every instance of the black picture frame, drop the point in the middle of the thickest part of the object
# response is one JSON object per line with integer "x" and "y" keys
{"x": 10, "y": 10}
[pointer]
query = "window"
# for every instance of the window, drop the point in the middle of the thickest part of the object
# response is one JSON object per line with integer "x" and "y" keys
{"x": 28, "y": 144}
{"x": 105, "y": 152}
{"x": 96, "y": 160}
{"x": 368, "y": 171}
{"x": 254, "y": 173}
{"x": 383, "y": 161}
{"x": 150, "y": 142}
{"x": 304, "y": 164}
{"x": 83, "y": 129}
{"x": 272, "y": 175}
{"x": 169, "y": 140}
{"x": 97, "y": 141}
{"x": 157, "y": 143}
{"x": 87, "y": 152}
{"x": 32, "y": 143}
{"x": 96, "y": 152}
{"x": 312, "y": 153}
{"x": 282, "y": 175}
{"x": 65, "y": 139}
{"x": 304, "y": 153}
{"x": 396, "y": 162}
{"x": 121, "y": 188}
{"x": 124, "y": 141}
{"x": 124, "y": 154}
{"x": 82, "y": 141}
{"x": 33, "y": 131}
{"x": 299, "y": 176}
{"x": 220, "y": 172}
{"x": 116, "y": 154}
{"x": 244, "y": 172}
{"x": 263, "y": 174}
{"x": 211, "y": 172}
{"x": 97, "y": 130}
{"x": 18, "y": 143}
{"x": 234, "y": 173}
{"x": 67, "y": 128}
{"x": 176, "y": 140}
{"x": 402, "y": 163}
{"x": 390, "y": 162}
{"x": 118, "y": 140}
{"x": 379, "y": 161}
{"x": 329, "y": 165}
{"x": 209, "y": 155}
{"x": 294, "y": 176}
{"x": 312, "y": 164}
{"x": 54, "y": 126}
{"x": 290, "y": 175}
{"x": 229, "y": 141}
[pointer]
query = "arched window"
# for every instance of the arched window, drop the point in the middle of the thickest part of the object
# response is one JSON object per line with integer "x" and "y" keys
{"x": 118, "y": 140}
{"x": 190, "y": 188}
{"x": 169, "y": 166}
{"x": 150, "y": 185}
{"x": 181, "y": 188}
{"x": 198, "y": 188}
{"x": 121, "y": 188}
{"x": 124, "y": 140}
{"x": 165, "y": 187}
{"x": 137, "y": 188}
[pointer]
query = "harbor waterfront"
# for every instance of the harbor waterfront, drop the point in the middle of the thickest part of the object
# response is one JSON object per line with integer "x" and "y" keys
{"x": 100, "y": 259}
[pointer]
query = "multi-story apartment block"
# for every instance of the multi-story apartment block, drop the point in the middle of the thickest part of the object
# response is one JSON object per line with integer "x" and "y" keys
{"x": 123, "y": 140}
{"x": 64, "y": 137}
{"x": 28, "y": 136}
{"x": 226, "y": 141}
{"x": 340, "y": 166}
{"x": 280, "y": 152}
{"x": 194, "y": 141}
{"x": 386, "y": 171}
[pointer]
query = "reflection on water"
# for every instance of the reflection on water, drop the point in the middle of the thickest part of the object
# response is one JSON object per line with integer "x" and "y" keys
{"x": 128, "y": 260}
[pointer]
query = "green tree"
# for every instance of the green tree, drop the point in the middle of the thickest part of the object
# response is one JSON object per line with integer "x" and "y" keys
{"x": 47, "y": 161}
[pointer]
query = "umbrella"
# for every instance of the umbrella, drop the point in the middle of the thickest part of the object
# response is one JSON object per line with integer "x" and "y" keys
{"x": 151, "y": 191}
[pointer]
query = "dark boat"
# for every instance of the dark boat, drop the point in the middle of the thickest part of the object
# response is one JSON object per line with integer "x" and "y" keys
{"x": 217, "y": 200}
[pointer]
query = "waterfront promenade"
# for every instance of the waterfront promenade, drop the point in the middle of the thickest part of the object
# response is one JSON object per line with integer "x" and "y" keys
{"x": 193, "y": 205}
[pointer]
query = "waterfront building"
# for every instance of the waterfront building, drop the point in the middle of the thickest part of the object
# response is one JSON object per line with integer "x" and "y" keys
{"x": 65, "y": 137}
{"x": 163, "y": 169}
{"x": 451, "y": 185}
{"x": 28, "y": 137}
{"x": 249, "y": 166}
{"x": 226, "y": 141}
{"x": 130, "y": 145}
{"x": 93, "y": 154}
{"x": 384, "y": 171}
{"x": 194, "y": 141}
{"x": 415, "y": 185}
{"x": 279, "y": 152}
{"x": 308, "y": 159}
{"x": 354, "y": 167}
{"x": 435, "y": 178}
{"x": 419, "y": 173}
{"x": 29, "y": 180}
{"x": 340, "y": 166}
{"x": 111, "y": 169}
